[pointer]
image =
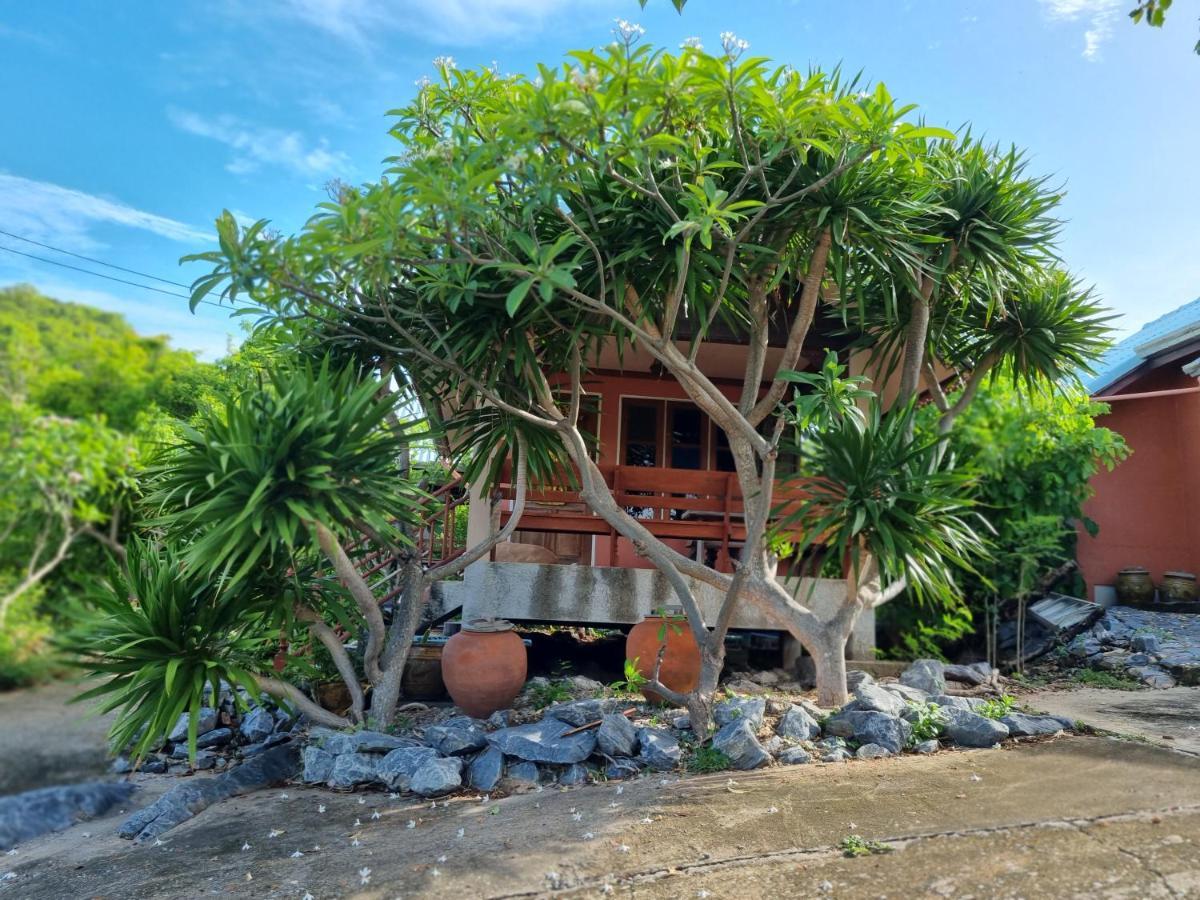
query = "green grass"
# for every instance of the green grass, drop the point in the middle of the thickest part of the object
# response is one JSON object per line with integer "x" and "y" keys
{"x": 707, "y": 759}
{"x": 1099, "y": 678}
{"x": 853, "y": 845}
{"x": 544, "y": 695}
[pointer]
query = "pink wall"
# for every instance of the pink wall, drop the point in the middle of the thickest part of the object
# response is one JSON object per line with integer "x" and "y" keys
{"x": 1148, "y": 507}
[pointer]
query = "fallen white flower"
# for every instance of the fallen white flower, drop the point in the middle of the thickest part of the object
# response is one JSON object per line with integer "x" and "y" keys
{"x": 587, "y": 835}
{"x": 275, "y": 832}
{"x": 321, "y": 808}
{"x": 375, "y": 815}
{"x": 442, "y": 858}
{"x": 246, "y": 846}
{"x": 365, "y": 875}
{"x": 623, "y": 848}
{"x": 411, "y": 824}
{"x": 297, "y": 854}
{"x": 461, "y": 832}
{"x": 356, "y": 843}
{"x": 647, "y": 821}
{"x": 357, "y": 823}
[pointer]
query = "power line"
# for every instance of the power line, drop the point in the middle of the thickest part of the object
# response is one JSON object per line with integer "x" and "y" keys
{"x": 90, "y": 259}
{"x": 145, "y": 287}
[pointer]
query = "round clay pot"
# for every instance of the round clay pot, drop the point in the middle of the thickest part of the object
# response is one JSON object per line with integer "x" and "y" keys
{"x": 484, "y": 667}
{"x": 681, "y": 661}
{"x": 1179, "y": 587}
{"x": 1134, "y": 585}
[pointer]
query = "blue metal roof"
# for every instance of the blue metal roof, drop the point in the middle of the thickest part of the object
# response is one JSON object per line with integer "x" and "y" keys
{"x": 1124, "y": 357}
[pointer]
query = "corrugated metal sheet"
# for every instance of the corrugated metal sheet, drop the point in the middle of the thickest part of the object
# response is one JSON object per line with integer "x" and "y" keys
{"x": 1124, "y": 357}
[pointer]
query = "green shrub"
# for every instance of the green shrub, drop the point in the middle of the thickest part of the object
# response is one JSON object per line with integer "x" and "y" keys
{"x": 997, "y": 708}
{"x": 929, "y": 724}
{"x": 707, "y": 759}
{"x": 26, "y": 655}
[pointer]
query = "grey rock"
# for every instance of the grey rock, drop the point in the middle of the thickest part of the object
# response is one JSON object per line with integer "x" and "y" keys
{"x": 682, "y": 723}
{"x": 831, "y": 743}
{"x": 621, "y": 767}
{"x": 257, "y": 726}
{"x": 545, "y": 741}
{"x": 33, "y": 813}
{"x": 777, "y": 706}
{"x": 121, "y": 766}
{"x": 856, "y": 678}
{"x": 154, "y": 766}
{"x": 968, "y": 729}
{"x": 1144, "y": 643}
{"x": 741, "y": 709}
{"x": 925, "y": 675}
{"x": 775, "y": 744}
{"x": 745, "y": 686}
{"x": 906, "y": 693}
{"x": 582, "y": 686}
{"x": 927, "y": 747}
{"x": 1022, "y": 724}
{"x": 1112, "y": 660}
{"x": 737, "y": 741}
{"x": 501, "y": 718}
{"x": 396, "y": 770}
{"x": 178, "y": 769}
{"x": 573, "y": 774}
{"x": 318, "y": 764}
{"x": 1084, "y": 646}
{"x": 872, "y": 751}
{"x": 339, "y": 742}
{"x": 616, "y": 736}
{"x": 523, "y": 774}
{"x": 1139, "y": 659}
{"x": 186, "y": 799}
{"x": 970, "y": 704}
{"x": 455, "y": 740}
{"x": 215, "y": 738}
{"x": 485, "y": 770}
{"x": 437, "y": 776}
{"x": 835, "y": 756}
{"x": 352, "y": 769}
{"x": 205, "y": 759}
{"x": 797, "y": 724}
{"x": 262, "y": 746}
{"x": 660, "y": 750}
{"x": 976, "y": 673}
{"x": 794, "y": 756}
{"x": 582, "y": 712}
{"x": 869, "y": 727}
{"x": 872, "y": 698}
{"x": 206, "y": 721}
{"x": 283, "y": 721}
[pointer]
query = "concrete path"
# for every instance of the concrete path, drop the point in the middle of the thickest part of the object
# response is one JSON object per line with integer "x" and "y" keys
{"x": 1170, "y": 718}
{"x": 1067, "y": 817}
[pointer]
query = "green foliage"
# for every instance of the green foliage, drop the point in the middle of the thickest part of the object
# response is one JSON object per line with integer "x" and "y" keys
{"x": 928, "y": 724}
{"x": 159, "y": 636}
{"x": 1099, "y": 678}
{"x": 706, "y": 758}
{"x": 998, "y": 707}
{"x": 853, "y": 846}
{"x": 251, "y": 484}
{"x": 633, "y": 680}
{"x": 26, "y": 654}
{"x": 543, "y": 694}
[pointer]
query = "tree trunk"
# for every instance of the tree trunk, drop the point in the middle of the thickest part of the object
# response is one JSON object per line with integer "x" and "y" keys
{"x": 829, "y": 657}
{"x": 407, "y": 615}
{"x": 700, "y": 701}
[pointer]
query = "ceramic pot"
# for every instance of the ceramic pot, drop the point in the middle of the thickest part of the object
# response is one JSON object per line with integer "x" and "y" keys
{"x": 422, "y": 679}
{"x": 1179, "y": 587}
{"x": 484, "y": 667}
{"x": 333, "y": 696}
{"x": 681, "y": 661}
{"x": 1134, "y": 585}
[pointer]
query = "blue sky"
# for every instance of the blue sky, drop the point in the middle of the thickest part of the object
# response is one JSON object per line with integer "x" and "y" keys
{"x": 130, "y": 125}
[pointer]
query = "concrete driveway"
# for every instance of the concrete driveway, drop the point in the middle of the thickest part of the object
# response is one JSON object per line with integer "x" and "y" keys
{"x": 1170, "y": 718}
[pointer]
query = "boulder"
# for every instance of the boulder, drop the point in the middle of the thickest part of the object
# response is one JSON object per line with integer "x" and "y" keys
{"x": 926, "y": 675}
{"x": 257, "y": 726}
{"x": 583, "y": 712}
{"x": 857, "y": 677}
{"x": 582, "y": 686}
{"x": 660, "y": 750}
{"x": 205, "y": 759}
{"x": 437, "y": 776}
{"x": 621, "y": 767}
{"x": 396, "y": 770}
{"x": 318, "y": 765}
{"x": 744, "y": 686}
{"x": 352, "y": 769}
{"x": 214, "y": 738}
{"x": 546, "y": 741}
{"x": 205, "y": 723}
{"x": 501, "y": 718}
{"x": 835, "y": 756}
{"x": 970, "y": 704}
{"x": 523, "y": 775}
{"x": 975, "y": 674}
{"x": 455, "y": 739}
{"x": 273, "y": 741}
{"x": 830, "y": 743}
{"x": 905, "y": 693}
{"x": 485, "y": 770}
{"x": 794, "y": 756}
{"x": 798, "y": 725}
{"x": 616, "y": 736}
{"x": 1023, "y": 725}
{"x": 738, "y": 742}
{"x": 927, "y": 747}
{"x": 339, "y": 742}
{"x": 741, "y": 709}
{"x": 872, "y": 751}
{"x": 33, "y": 813}
{"x": 968, "y": 729}
{"x": 573, "y": 774}
{"x": 870, "y": 727}
{"x": 1144, "y": 643}
{"x": 873, "y": 698}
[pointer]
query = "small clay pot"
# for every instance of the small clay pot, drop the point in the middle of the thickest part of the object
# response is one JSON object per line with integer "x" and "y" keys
{"x": 1134, "y": 585}
{"x": 681, "y": 661}
{"x": 422, "y": 679}
{"x": 1178, "y": 587}
{"x": 484, "y": 667}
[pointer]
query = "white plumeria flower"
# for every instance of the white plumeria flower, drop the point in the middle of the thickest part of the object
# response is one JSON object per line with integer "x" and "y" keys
{"x": 624, "y": 848}
{"x": 411, "y": 824}
{"x": 284, "y": 796}
{"x": 578, "y": 817}
{"x": 587, "y": 835}
{"x": 362, "y": 801}
{"x": 620, "y": 788}
{"x": 692, "y": 43}
{"x": 375, "y": 815}
{"x": 733, "y": 45}
{"x": 442, "y": 858}
{"x": 462, "y": 832}
{"x": 975, "y": 777}
{"x": 436, "y": 872}
{"x": 364, "y": 875}
{"x": 628, "y": 32}
{"x": 275, "y": 832}
{"x": 356, "y": 843}
{"x": 393, "y": 796}
{"x": 444, "y": 62}
{"x": 321, "y": 808}
{"x": 773, "y": 809}
{"x": 647, "y": 821}
{"x": 245, "y": 846}
{"x": 297, "y": 854}
{"x": 358, "y": 823}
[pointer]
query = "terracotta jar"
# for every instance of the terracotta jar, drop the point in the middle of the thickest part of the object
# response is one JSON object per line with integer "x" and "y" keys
{"x": 1134, "y": 585}
{"x": 681, "y": 662}
{"x": 484, "y": 666}
{"x": 1179, "y": 587}
{"x": 422, "y": 679}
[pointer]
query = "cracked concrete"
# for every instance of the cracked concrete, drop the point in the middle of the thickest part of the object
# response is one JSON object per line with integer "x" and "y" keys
{"x": 1065, "y": 817}
{"x": 1169, "y": 717}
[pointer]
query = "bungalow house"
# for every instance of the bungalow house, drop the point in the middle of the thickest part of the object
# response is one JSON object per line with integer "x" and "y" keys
{"x": 670, "y": 466}
{"x": 1148, "y": 507}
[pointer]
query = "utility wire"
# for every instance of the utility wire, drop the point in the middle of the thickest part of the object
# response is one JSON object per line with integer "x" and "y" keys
{"x": 144, "y": 287}
{"x": 90, "y": 259}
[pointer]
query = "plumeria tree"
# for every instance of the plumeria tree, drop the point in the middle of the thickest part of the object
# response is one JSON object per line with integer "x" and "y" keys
{"x": 636, "y": 199}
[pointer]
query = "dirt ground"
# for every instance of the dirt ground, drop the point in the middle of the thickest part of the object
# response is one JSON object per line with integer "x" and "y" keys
{"x": 1067, "y": 817}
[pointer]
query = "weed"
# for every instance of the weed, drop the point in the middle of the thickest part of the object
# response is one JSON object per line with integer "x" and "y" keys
{"x": 929, "y": 723}
{"x": 853, "y": 846}
{"x": 1098, "y": 678}
{"x": 550, "y": 692}
{"x": 998, "y": 708}
{"x": 707, "y": 759}
{"x": 633, "y": 681}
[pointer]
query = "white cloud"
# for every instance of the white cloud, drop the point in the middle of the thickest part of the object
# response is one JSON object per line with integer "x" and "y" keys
{"x": 452, "y": 22}
{"x": 1101, "y": 16}
{"x": 61, "y": 215}
{"x": 257, "y": 145}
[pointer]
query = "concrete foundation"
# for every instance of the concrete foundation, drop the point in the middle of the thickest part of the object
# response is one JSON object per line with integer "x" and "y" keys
{"x": 606, "y": 596}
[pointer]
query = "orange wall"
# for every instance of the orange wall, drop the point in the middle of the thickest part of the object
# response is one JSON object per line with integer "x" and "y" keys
{"x": 1148, "y": 507}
